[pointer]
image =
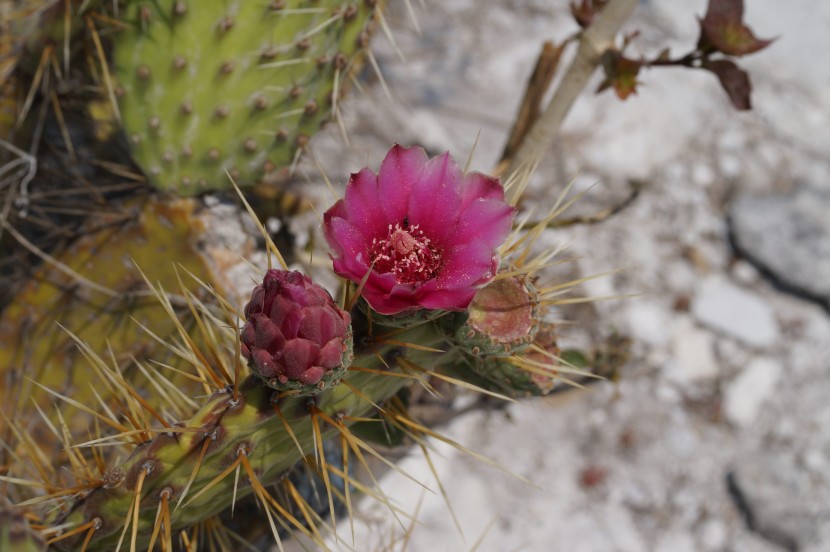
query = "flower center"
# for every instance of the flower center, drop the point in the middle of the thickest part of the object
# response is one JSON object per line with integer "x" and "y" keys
{"x": 407, "y": 253}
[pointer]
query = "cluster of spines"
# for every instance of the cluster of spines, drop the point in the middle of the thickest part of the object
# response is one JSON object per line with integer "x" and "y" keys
{"x": 174, "y": 473}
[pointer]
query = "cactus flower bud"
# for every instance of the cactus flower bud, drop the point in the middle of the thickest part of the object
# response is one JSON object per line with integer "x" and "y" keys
{"x": 533, "y": 374}
{"x": 295, "y": 337}
{"x": 422, "y": 233}
{"x": 502, "y": 319}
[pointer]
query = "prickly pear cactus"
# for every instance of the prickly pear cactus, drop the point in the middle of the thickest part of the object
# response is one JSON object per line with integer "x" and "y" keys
{"x": 96, "y": 295}
{"x": 239, "y": 86}
{"x": 162, "y": 462}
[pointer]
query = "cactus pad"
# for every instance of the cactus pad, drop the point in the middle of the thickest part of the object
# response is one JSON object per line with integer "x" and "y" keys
{"x": 15, "y": 533}
{"x": 34, "y": 344}
{"x": 210, "y": 87}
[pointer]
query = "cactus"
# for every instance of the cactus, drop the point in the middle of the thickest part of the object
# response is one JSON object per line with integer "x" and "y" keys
{"x": 240, "y": 428}
{"x": 237, "y": 86}
{"x": 175, "y": 462}
{"x": 92, "y": 286}
{"x": 530, "y": 375}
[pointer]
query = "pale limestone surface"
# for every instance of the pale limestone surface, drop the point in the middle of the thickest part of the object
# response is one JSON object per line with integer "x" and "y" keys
{"x": 669, "y": 433}
{"x": 736, "y": 312}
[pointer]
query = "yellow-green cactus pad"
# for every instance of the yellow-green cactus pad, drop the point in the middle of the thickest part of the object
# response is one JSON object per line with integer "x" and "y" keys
{"x": 95, "y": 291}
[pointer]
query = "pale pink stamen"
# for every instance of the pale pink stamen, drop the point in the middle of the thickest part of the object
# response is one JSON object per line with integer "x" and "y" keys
{"x": 407, "y": 253}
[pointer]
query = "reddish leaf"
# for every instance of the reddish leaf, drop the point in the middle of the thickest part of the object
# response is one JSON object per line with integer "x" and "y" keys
{"x": 585, "y": 11}
{"x": 621, "y": 73}
{"x": 733, "y": 79}
{"x": 722, "y": 29}
{"x": 725, "y": 10}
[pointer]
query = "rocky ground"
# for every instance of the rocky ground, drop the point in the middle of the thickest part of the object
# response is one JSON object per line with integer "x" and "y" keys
{"x": 717, "y": 438}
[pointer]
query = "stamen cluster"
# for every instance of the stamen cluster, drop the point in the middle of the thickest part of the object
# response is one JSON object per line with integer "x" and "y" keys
{"x": 407, "y": 253}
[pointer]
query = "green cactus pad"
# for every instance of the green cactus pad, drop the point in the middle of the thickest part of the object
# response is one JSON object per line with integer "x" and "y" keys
{"x": 249, "y": 423}
{"x": 235, "y": 86}
{"x": 15, "y": 533}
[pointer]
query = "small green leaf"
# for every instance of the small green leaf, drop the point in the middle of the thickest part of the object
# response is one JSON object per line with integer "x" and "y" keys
{"x": 575, "y": 358}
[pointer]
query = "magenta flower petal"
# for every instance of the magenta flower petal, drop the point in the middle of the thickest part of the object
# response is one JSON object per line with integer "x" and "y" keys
{"x": 399, "y": 173}
{"x": 321, "y": 326}
{"x": 331, "y": 355}
{"x": 484, "y": 221}
{"x": 256, "y": 302}
{"x": 265, "y": 363}
{"x": 312, "y": 375}
{"x": 449, "y": 299}
{"x": 435, "y": 203}
{"x": 363, "y": 203}
{"x": 426, "y": 234}
{"x": 268, "y": 336}
{"x": 349, "y": 246}
{"x": 398, "y": 299}
{"x": 287, "y": 315}
{"x": 480, "y": 186}
{"x": 467, "y": 265}
{"x": 298, "y": 355}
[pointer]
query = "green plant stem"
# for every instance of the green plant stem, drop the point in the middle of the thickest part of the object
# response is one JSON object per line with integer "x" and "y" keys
{"x": 251, "y": 424}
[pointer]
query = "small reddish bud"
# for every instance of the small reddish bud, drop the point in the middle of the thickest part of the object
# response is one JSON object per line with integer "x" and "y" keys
{"x": 295, "y": 336}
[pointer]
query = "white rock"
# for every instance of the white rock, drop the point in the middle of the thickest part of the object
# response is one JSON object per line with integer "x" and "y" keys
{"x": 726, "y": 308}
{"x": 818, "y": 326}
{"x": 744, "y": 272}
{"x": 730, "y": 165}
{"x": 747, "y": 393}
{"x": 667, "y": 394}
{"x": 676, "y": 542}
{"x": 694, "y": 359}
{"x": 815, "y": 461}
{"x": 788, "y": 234}
{"x": 648, "y": 322}
{"x": 714, "y": 535}
{"x": 620, "y": 529}
{"x": 273, "y": 224}
{"x": 703, "y": 174}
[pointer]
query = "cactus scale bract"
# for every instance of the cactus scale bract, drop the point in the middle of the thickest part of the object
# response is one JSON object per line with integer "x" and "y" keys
{"x": 237, "y": 86}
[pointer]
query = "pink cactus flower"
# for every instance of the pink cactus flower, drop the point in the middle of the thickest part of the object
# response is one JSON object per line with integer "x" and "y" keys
{"x": 425, "y": 233}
